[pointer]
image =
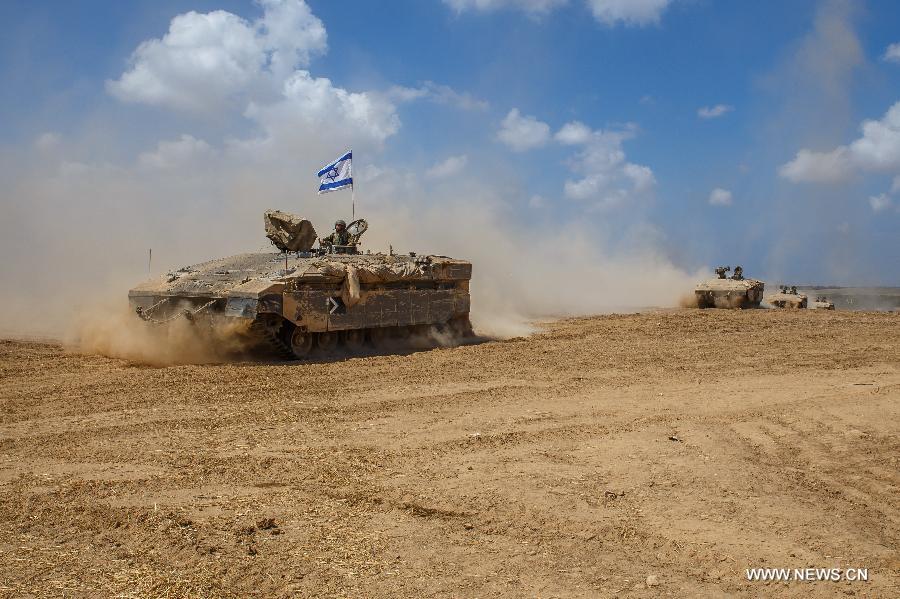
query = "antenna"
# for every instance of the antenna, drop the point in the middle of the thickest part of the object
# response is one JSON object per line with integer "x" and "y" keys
{"x": 150, "y": 263}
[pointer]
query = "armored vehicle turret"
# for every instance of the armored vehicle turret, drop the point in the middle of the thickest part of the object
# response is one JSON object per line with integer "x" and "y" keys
{"x": 729, "y": 292}
{"x": 787, "y": 297}
{"x": 301, "y": 300}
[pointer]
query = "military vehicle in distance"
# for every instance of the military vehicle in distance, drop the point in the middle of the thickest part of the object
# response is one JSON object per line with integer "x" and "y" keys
{"x": 822, "y": 303}
{"x": 300, "y": 301}
{"x": 787, "y": 297}
{"x": 729, "y": 292}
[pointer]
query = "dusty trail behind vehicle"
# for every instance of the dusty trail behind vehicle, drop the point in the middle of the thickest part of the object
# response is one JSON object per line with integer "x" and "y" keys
{"x": 688, "y": 445}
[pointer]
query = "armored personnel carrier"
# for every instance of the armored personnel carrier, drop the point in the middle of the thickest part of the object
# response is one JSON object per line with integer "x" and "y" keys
{"x": 301, "y": 301}
{"x": 729, "y": 292}
{"x": 787, "y": 297}
{"x": 822, "y": 303}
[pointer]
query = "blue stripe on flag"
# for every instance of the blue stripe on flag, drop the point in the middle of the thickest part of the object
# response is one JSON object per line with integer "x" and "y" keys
{"x": 325, "y": 169}
{"x": 336, "y": 185}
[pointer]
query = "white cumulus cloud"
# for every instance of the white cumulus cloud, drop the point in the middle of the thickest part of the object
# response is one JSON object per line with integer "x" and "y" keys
{"x": 574, "y": 133}
{"x": 641, "y": 176}
{"x": 892, "y": 53}
{"x": 608, "y": 12}
{"x": 607, "y": 178}
{"x": 448, "y": 167}
{"x": 876, "y": 150}
{"x": 819, "y": 167}
{"x": 207, "y": 60}
{"x": 712, "y": 112}
{"x": 880, "y": 202}
{"x": 628, "y": 12}
{"x": 521, "y": 133}
{"x": 879, "y": 147}
{"x": 439, "y": 94}
{"x": 291, "y": 33}
{"x": 532, "y": 7}
{"x": 312, "y": 110}
{"x": 720, "y": 197}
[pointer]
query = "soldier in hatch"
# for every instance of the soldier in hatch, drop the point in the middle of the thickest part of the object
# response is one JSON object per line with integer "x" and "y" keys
{"x": 339, "y": 237}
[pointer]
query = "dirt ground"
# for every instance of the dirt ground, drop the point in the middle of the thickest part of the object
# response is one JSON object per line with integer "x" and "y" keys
{"x": 684, "y": 446}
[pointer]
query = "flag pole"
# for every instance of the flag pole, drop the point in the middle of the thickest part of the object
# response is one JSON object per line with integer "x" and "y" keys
{"x": 352, "y": 190}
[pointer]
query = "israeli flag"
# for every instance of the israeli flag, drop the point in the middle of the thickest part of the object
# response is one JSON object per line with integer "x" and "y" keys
{"x": 337, "y": 175}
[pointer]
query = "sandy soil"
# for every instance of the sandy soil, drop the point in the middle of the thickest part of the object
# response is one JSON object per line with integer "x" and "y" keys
{"x": 684, "y": 445}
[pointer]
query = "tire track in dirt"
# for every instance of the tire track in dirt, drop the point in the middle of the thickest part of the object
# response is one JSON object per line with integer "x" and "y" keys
{"x": 153, "y": 480}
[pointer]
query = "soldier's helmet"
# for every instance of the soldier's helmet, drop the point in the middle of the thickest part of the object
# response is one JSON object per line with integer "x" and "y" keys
{"x": 339, "y": 222}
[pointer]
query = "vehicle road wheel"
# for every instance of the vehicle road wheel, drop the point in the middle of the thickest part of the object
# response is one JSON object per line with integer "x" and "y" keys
{"x": 301, "y": 342}
{"x": 355, "y": 339}
{"x": 328, "y": 341}
{"x": 461, "y": 327}
{"x": 378, "y": 336}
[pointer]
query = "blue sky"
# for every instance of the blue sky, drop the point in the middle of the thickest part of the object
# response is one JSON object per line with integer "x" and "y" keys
{"x": 698, "y": 131}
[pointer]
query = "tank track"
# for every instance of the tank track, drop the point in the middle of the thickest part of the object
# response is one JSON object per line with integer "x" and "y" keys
{"x": 268, "y": 338}
{"x": 269, "y": 335}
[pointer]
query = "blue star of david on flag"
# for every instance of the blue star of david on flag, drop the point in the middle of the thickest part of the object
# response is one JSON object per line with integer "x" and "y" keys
{"x": 337, "y": 175}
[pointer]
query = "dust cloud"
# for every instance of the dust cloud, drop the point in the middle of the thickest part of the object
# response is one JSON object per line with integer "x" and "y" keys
{"x": 529, "y": 270}
{"x": 115, "y": 331}
{"x": 688, "y": 300}
{"x": 75, "y": 238}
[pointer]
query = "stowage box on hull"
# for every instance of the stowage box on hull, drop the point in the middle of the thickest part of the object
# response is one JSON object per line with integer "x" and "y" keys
{"x": 325, "y": 309}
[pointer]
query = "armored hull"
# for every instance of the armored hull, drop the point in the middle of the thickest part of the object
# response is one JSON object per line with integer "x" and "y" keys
{"x": 822, "y": 304}
{"x": 791, "y": 301}
{"x": 729, "y": 293}
{"x": 297, "y": 304}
